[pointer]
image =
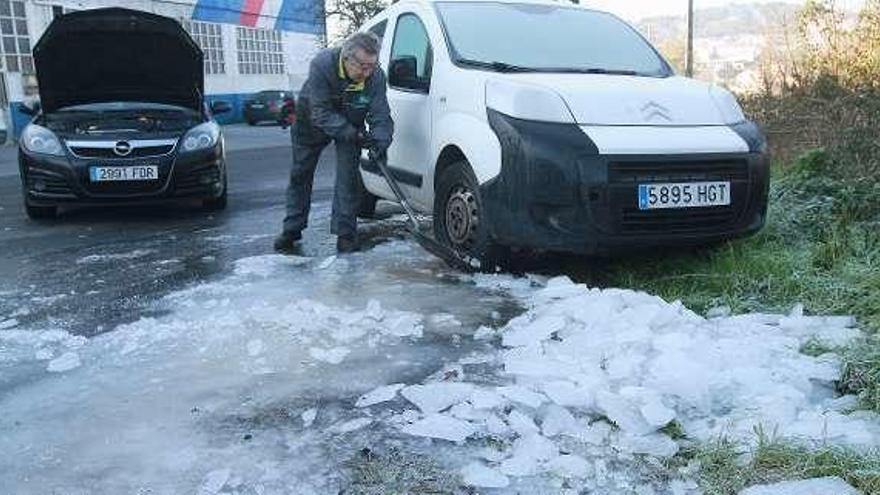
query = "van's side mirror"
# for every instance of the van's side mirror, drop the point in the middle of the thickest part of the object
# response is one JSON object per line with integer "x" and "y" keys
{"x": 30, "y": 110}
{"x": 403, "y": 74}
{"x": 220, "y": 107}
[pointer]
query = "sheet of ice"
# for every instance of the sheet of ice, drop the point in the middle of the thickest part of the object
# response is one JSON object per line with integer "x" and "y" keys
{"x": 8, "y": 323}
{"x": 816, "y": 486}
{"x": 643, "y": 362}
{"x": 103, "y": 258}
{"x": 480, "y": 475}
{"x": 378, "y": 395}
{"x": 441, "y": 426}
{"x": 224, "y": 369}
{"x": 266, "y": 265}
{"x": 65, "y": 362}
{"x": 352, "y": 425}
{"x": 435, "y": 397}
{"x": 484, "y": 333}
{"x": 308, "y": 417}
{"x": 333, "y": 356}
{"x": 214, "y": 482}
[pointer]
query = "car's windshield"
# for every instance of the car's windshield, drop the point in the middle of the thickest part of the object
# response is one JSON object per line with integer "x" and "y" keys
{"x": 529, "y": 37}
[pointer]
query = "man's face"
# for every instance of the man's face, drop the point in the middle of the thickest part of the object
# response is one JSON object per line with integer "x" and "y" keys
{"x": 359, "y": 65}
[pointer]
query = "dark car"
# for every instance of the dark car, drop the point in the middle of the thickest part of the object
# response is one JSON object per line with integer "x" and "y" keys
{"x": 268, "y": 106}
{"x": 122, "y": 118}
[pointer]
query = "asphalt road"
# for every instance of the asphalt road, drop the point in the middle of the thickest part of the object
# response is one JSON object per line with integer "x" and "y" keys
{"x": 92, "y": 269}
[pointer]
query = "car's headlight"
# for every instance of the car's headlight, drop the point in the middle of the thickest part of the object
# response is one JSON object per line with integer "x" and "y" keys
{"x": 727, "y": 105}
{"x": 527, "y": 101}
{"x": 201, "y": 137}
{"x": 38, "y": 139}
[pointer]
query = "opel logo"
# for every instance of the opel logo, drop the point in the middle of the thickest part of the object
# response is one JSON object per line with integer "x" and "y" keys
{"x": 122, "y": 148}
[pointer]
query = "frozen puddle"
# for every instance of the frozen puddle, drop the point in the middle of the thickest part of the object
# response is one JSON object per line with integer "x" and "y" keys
{"x": 246, "y": 385}
{"x": 273, "y": 379}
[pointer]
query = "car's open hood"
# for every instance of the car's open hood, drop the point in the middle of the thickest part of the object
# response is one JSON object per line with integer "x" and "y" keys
{"x": 118, "y": 54}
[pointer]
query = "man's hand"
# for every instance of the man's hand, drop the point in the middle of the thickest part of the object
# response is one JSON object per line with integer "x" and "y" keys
{"x": 365, "y": 140}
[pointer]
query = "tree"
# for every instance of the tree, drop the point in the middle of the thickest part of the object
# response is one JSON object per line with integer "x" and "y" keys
{"x": 352, "y": 14}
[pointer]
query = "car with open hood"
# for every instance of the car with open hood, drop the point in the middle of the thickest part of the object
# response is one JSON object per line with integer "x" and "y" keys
{"x": 122, "y": 116}
{"x": 554, "y": 127}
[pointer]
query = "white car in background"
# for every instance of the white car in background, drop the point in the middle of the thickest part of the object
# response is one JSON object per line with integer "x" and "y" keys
{"x": 549, "y": 126}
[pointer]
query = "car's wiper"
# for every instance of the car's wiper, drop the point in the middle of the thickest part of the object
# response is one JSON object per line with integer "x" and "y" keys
{"x": 596, "y": 70}
{"x": 496, "y": 66}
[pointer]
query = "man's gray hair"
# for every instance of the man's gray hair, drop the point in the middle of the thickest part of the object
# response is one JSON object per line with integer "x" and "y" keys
{"x": 368, "y": 42}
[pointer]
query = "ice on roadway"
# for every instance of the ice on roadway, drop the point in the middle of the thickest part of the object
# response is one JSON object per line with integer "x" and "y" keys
{"x": 271, "y": 379}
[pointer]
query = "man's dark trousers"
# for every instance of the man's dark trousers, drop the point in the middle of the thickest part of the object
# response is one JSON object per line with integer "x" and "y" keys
{"x": 308, "y": 143}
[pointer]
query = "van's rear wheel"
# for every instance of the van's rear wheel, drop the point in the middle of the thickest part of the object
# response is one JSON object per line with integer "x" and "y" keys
{"x": 460, "y": 220}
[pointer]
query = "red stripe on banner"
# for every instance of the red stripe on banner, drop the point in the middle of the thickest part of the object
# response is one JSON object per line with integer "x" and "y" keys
{"x": 250, "y": 12}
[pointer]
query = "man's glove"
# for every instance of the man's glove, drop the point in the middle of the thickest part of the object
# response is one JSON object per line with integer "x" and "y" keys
{"x": 376, "y": 153}
{"x": 365, "y": 140}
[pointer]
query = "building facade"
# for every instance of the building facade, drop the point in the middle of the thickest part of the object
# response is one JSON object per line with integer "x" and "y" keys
{"x": 249, "y": 45}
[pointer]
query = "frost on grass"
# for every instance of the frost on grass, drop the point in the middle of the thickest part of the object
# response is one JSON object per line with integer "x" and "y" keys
{"x": 398, "y": 472}
{"x": 817, "y": 486}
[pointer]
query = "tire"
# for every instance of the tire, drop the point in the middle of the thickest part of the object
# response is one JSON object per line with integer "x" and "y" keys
{"x": 367, "y": 206}
{"x": 460, "y": 220}
{"x": 40, "y": 212}
{"x": 251, "y": 122}
{"x": 219, "y": 203}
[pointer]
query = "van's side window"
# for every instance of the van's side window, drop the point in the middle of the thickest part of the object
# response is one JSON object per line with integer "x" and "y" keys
{"x": 411, "y": 55}
{"x": 379, "y": 30}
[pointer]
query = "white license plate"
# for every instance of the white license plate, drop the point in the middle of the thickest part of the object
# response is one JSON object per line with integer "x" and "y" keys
{"x": 257, "y": 105}
{"x": 683, "y": 195}
{"x": 131, "y": 173}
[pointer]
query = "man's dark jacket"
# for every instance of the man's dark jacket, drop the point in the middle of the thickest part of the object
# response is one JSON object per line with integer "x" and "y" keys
{"x": 337, "y": 106}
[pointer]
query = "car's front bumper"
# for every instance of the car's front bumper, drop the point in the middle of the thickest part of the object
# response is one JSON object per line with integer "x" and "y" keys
{"x": 64, "y": 180}
{"x": 556, "y": 192}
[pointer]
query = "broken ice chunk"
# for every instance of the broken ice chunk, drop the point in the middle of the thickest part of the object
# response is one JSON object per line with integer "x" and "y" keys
{"x": 522, "y": 395}
{"x": 521, "y": 424}
{"x": 816, "y": 486}
{"x": 536, "y": 331}
{"x": 349, "y": 426}
{"x": 435, "y": 397}
{"x": 308, "y": 417}
{"x": 441, "y": 426}
{"x": 570, "y": 466}
{"x": 214, "y": 482}
{"x": 381, "y": 394}
{"x": 557, "y": 420}
{"x": 65, "y": 362}
{"x": 477, "y": 474}
{"x": 332, "y": 356}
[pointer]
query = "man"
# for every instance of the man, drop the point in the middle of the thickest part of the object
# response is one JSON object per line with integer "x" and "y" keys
{"x": 344, "y": 90}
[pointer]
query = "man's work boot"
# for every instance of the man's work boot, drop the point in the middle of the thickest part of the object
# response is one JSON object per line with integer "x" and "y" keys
{"x": 347, "y": 244}
{"x": 286, "y": 241}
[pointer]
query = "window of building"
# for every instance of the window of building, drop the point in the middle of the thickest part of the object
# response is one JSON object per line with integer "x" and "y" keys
{"x": 260, "y": 51}
{"x": 209, "y": 36}
{"x": 16, "y": 43}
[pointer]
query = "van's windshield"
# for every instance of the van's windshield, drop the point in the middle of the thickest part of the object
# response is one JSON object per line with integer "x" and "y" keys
{"x": 546, "y": 38}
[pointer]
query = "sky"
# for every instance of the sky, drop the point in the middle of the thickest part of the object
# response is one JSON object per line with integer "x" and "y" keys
{"x": 638, "y": 9}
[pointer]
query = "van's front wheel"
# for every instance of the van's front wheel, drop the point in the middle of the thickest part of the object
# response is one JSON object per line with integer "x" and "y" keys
{"x": 460, "y": 220}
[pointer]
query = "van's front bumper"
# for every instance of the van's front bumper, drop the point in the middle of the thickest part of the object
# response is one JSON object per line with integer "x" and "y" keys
{"x": 557, "y": 192}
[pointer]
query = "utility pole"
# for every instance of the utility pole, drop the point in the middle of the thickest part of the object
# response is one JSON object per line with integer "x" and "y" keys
{"x": 689, "y": 56}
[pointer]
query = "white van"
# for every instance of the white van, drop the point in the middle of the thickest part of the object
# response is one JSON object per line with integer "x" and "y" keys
{"x": 549, "y": 126}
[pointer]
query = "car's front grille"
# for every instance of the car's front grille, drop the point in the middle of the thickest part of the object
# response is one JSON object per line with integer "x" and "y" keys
{"x": 634, "y": 220}
{"x": 47, "y": 183}
{"x": 624, "y": 178}
{"x": 108, "y": 149}
{"x": 683, "y": 171}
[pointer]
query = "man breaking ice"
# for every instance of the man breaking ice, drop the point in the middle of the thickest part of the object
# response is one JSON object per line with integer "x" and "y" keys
{"x": 344, "y": 90}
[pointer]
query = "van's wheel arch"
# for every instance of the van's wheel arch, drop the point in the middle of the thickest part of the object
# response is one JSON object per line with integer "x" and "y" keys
{"x": 460, "y": 219}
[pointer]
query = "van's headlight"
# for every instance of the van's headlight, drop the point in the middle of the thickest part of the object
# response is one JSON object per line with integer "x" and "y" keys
{"x": 202, "y": 136}
{"x": 38, "y": 139}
